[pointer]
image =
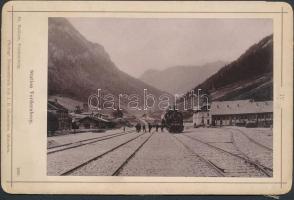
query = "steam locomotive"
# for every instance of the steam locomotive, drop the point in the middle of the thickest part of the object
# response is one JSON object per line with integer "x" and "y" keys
{"x": 173, "y": 121}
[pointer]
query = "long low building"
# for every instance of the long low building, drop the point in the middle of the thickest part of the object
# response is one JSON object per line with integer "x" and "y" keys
{"x": 236, "y": 113}
{"x": 91, "y": 122}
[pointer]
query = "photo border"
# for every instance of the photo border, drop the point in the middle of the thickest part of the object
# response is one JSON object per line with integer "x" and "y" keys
{"x": 281, "y": 96}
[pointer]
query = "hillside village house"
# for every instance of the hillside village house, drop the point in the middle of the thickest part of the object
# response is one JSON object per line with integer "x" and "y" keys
{"x": 236, "y": 113}
{"x": 92, "y": 122}
{"x": 101, "y": 115}
{"x": 86, "y": 120}
{"x": 58, "y": 117}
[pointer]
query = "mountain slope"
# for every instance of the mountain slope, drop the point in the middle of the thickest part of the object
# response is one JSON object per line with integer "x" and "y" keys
{"x": 180, "y": 79}
{"x": 248, "y": 77}
{"x": 77, "y": 67}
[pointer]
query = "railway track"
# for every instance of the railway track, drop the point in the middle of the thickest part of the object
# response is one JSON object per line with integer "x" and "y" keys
{"x": 118, "y": 170}
{"x": 84, "y": 142}
{"x": 252, "y": 140}
{"x": 226, "y": 163}
{"x": 209, "y": 164}
{"x": 242, "y": 154}
{"x": 106, "y": 153}
{"x": 70, "y": 143}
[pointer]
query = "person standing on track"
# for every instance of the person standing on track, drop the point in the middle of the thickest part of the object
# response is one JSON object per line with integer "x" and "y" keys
{"x": 162, "y": 126}
{"x": 138, "y": 127}
{"x": 156, "y": 126}
{"x": 149, "y": 127}
{"x": 144, "y": 128}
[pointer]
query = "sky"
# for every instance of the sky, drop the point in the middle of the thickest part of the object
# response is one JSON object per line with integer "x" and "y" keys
{"x": 136, "y": 45}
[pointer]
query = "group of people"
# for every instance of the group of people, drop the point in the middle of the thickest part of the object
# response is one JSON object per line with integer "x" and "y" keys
{"x": 142, "y": 127}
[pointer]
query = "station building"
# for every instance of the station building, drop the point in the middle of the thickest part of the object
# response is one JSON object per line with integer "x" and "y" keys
{"x": 247, "y": 113}
{"x": 58, "y": 116}
{"x": 201, "y": 117}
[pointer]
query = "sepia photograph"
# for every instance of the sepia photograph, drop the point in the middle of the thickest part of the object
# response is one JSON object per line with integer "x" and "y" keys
{"x": 160, "y": 97}
{"x": 147, "y": 97}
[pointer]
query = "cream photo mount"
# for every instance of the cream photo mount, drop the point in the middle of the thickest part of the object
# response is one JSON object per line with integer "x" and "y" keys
{"x": 24, "y": 98}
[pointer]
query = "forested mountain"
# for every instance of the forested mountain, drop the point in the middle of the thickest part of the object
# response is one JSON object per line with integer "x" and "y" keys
{"x": 78, "y": 67}
{"x": 248, "y": 77}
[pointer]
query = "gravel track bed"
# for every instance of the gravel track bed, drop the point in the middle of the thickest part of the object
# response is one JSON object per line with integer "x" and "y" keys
{"x": 163, "y": 155}
{"x": 85, "y": 142}
{"x": 213, "y": 135}
{"x": 220, "y": 138}
{"x": 62, "y": 161}
{"x": 253, "y": 151}
{"x": 71, "y": 138}
{"x": 230, "y": 147}
{"x": 230, "y": 165}
{"x": 263, "y": 136}
{"x": 109, "y": 163}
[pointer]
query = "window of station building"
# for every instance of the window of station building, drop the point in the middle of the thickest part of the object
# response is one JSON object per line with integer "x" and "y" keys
{"x": 263, "y": 116}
